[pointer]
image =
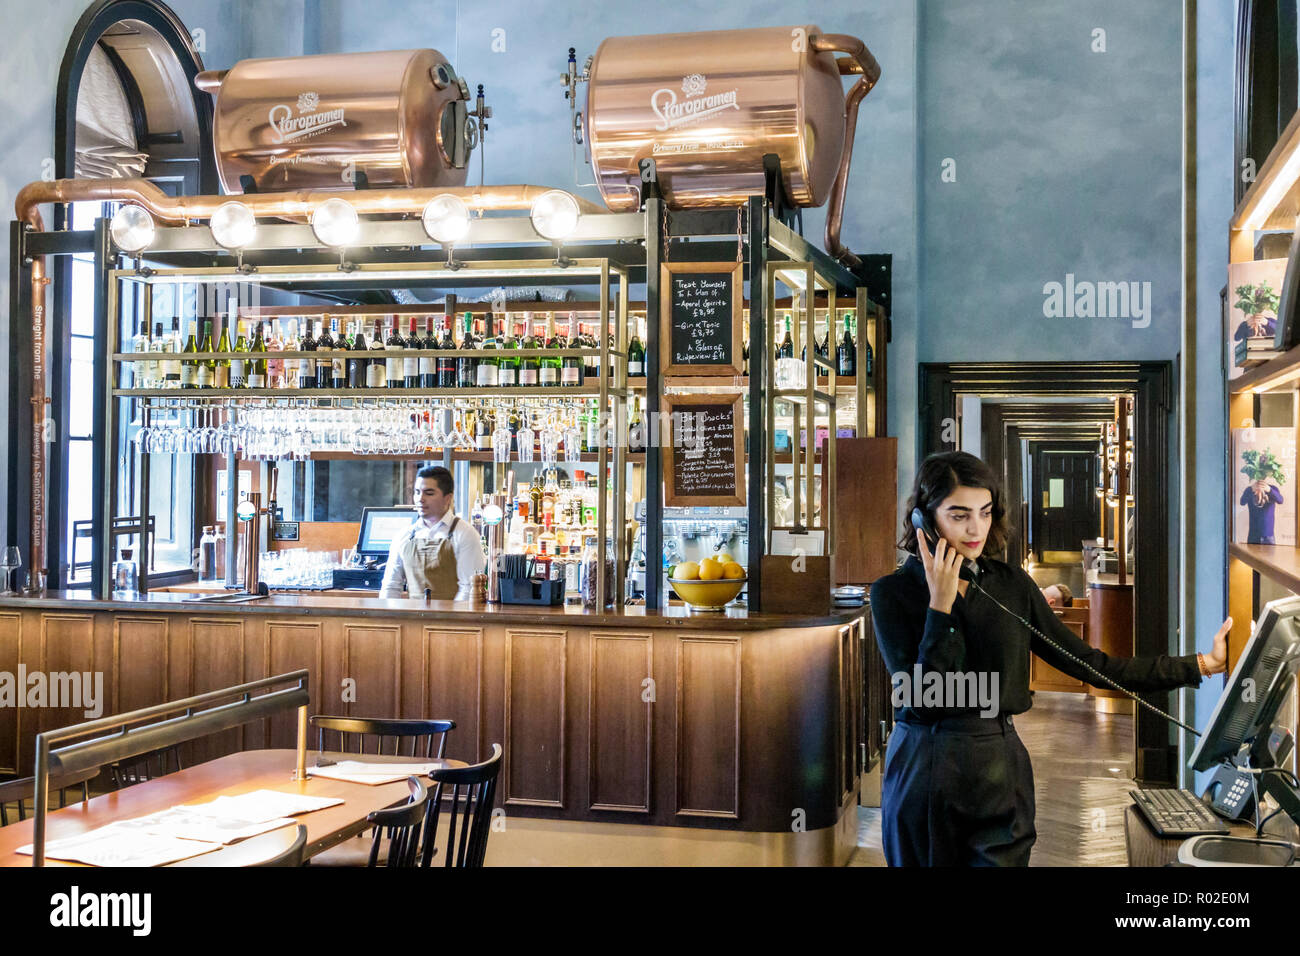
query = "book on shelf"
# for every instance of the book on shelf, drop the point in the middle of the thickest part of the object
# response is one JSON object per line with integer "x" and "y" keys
{"x": 1263, "y": 486}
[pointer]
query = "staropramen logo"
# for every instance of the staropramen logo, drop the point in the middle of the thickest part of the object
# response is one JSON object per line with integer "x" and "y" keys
{"x": 694, "y": 108}
{"x": 310, "y": 119}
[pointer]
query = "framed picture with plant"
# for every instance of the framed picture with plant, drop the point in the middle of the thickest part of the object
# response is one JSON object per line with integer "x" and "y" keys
{"x": 1254, "y": 292}
{"x": 1264, "y": 509}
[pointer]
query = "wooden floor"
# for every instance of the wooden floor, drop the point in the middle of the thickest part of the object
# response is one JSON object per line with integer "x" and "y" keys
{"x": 1083, "y": 770}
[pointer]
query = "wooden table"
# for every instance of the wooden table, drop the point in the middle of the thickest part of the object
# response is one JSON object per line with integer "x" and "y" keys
{"x": 230, "y": 775}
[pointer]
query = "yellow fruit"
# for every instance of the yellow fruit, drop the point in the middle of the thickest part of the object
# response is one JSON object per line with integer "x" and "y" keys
{"x": 688, "y": 571}
{"x": 710, "y": 570}
{"x": 725, "y": 558}
{"x": 732, "y": 571}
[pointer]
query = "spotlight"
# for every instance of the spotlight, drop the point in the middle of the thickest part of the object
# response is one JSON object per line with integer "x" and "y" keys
{"x": 233, "y": 225}
{"x": 335, "y": 222}
{"x": 132, "y": 229}
{"x": 446, "y": 218}
{"x": 555, "y": 215}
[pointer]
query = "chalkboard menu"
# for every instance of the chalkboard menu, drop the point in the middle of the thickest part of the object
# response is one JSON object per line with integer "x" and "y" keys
{"x": 700, "y": 324}
{"x": 705, "y": 465}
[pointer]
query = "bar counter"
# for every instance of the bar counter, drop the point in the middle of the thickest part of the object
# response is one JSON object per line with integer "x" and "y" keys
{"x": 631, "y": 736}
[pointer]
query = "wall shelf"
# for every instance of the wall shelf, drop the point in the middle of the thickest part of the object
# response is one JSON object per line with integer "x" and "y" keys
{"x": 1282, "y": 564}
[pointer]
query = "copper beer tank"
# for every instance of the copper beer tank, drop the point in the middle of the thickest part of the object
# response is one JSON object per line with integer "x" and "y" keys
{"x": 708, "y": 106}
{"x": 309, "y": 122}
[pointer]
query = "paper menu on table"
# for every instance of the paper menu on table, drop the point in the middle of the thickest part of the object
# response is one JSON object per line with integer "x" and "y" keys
{"x": 185, "y": 824}
{"x": 262, "y": 806}
{"x": 116, "y": 845}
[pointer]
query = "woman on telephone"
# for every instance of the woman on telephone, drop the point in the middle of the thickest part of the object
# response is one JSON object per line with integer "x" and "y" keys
{"x": 958, "y": 788}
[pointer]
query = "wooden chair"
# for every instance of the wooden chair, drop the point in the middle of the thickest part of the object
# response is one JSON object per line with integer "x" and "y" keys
{"x": 391, "y": 736}
{"x": 467, "y": 837}
{"x": 399, "y": 828}
{"x": 156, "y": 763}
{"x": 1043, "y": 676}
{"x": 282, "y": 847}
{"x": 24, "y": 788}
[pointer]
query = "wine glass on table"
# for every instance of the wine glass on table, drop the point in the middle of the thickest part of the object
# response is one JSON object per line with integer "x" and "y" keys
{"x": 11, "y": 562}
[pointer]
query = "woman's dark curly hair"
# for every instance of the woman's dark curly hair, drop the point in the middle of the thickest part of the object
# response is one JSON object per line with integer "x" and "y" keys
{"x": 938, "y": 477}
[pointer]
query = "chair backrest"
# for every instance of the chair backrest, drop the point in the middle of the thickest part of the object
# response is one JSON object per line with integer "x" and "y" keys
{"x": 467, "y": 828}
{"x": 24, "y": 788}
{"x": 412, "y": 738}
{"x": 292, "y": 855}
{"x": 156, "y": 763}
{"x": 401, "y": 825}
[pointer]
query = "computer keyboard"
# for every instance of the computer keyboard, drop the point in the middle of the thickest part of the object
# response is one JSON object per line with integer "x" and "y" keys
{"x": 1176, "y": 813}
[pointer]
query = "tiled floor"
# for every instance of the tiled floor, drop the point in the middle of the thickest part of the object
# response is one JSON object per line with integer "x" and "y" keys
{"x": 1083, "y": 770}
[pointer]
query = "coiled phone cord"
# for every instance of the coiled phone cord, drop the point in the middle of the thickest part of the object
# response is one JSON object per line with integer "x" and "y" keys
{"x": 1084, "y": 664}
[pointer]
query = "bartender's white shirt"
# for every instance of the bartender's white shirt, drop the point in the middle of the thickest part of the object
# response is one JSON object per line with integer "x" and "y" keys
{"x": 466, "y": 544}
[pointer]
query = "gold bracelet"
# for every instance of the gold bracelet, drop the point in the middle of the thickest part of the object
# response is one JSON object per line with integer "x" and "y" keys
{"x": 1200, "y": 663}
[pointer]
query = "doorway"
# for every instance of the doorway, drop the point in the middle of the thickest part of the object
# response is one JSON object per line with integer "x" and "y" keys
{"x": 1063, "y": 505}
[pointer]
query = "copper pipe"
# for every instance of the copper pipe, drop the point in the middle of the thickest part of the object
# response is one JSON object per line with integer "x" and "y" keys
{"x": 185, "y": 209}
{"x": 858, "y": 61}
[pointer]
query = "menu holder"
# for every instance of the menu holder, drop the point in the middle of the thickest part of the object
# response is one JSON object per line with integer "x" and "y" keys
{"x": 705, "y": 463}
{"x": 700, "y": 318}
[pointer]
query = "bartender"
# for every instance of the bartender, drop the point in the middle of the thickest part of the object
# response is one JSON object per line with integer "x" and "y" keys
{"x": 438, "y": 551}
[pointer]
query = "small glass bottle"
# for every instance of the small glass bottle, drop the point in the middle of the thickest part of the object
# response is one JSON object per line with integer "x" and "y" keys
{"x": 126, "y": 575}
{"x": 208, "y": 554}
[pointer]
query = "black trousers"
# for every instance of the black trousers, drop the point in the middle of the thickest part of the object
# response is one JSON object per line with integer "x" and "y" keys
{"x": 957, "y": 793}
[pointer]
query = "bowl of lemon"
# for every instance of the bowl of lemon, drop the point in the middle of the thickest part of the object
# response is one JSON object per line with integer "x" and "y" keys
{"x": 708, "y": 585}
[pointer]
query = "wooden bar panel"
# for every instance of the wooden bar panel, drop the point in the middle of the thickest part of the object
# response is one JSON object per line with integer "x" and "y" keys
{"x": 11, "y": 639}
{"x": 455, "y": 681}
{"x": 291, "y": 647}
{"x": 534, "y": 712}
{"x": 140, "y": 665}
{"x": 68, "y": 649}
{"x": 619, "y": 722}
{"x": 708, "y": 726}
{"x": 216, "y": 651}
{"x": 372, "y": 657}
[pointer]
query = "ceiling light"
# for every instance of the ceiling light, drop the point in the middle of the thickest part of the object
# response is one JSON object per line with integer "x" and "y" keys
{"x": 132, "y": 229}
{"x": 335, "y": 222}
{"x": 446, "y": 218}
{"x": 233, "y": 225}
{"x": 555, "y": 215}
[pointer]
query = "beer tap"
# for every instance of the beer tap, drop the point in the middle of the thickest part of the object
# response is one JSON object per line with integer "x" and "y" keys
{"x": 250, "y": 513}
{"x": 570, "y": 80}
{"x": 482, "y": 113}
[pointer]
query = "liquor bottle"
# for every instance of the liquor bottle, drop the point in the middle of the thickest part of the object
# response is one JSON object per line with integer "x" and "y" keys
{"x": 590, "y": 363}
{"x": 447, "y": 369}
{"x": 745, "y": 367}
{"x": 528, "y": 365}
{"x": 274, "y": 341}
{"x": 239, "y": 367}
{"x": 307, "y": 366}
{"x": 411, "y": 363}
{"x": 357, "y": 367}
{"x": 395, "y": 367}
{"x": 635, "y": 354}
{"x": 549, "y": 370}
{"x": 786, "y": 349}
{"x": 489, "y": 368}
{"x": 221, "y": 367}
{"x": 138, "y": 372}
{"x": 635, "y": 427}
{"x": 158, "y": 345}
{"x": 428, "y": 366}
{"x": 846, "y": 355}
{"x": 483, "y": 431}
{"x": 824, "y": 349}
{"x": 338, "y": 361}
{"x": 207, "y": 368}
{"x": 172, "y": 368}
{"x": 572, "y": 370}
{"x": 377, "y": 369}
{"x": 257, "y": 365}
{"x": 508, "y": 374}
{"x": 535, "y": 499}
{"x": 324, "y": 363}
{"x": 869, "y": 356}
{"x": 467, "y": 365}
{"x": 593, "y": 428}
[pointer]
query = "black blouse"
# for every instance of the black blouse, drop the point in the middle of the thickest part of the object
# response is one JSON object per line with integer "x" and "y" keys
{"x": 978, "y": 637}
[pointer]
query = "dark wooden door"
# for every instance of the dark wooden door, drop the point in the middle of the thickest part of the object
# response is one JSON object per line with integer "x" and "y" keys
{"x": 1064, "y": 502}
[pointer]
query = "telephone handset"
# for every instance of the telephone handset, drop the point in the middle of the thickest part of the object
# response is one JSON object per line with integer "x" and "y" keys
{"x": 969, "y": 569}
{"x": 970, "y": 572}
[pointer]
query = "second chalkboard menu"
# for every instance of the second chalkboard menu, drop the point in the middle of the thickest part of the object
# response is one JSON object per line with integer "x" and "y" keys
{"x": 705, "y": 466}
{"x": 700, "y": 318}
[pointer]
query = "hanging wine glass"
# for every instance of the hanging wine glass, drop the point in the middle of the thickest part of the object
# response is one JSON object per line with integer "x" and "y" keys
{"x": 524, "y": 437}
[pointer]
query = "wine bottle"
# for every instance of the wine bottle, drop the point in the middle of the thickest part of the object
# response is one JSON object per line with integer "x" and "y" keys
{"x": 635, "y": 427}
{"x": 824, "y": 349}
{"x": 428, "y": 366}
{"x": 221, "y": 367}
{"x": 590, "y": 363}
{"x": 239, "y": 367}
{"x": 207, "y": 369}
{"x": 139, "y": 371}
{"x": 257, "y": 365}
{"x": 572, "y": 370}
{"x": 509, "y": 367}
{"x": 786, "y": 349}
{"x": 635, "y": 354}
{"x": 745, "y": 366}
{"x": 395, "y": 366}
{"x": 307, "y": 366}
{"x": 377, "y": 369}
{"x": 447, "y": 371}
{"x": 173, "y": 368}
{"x": 411, "y": 363}
{"x": 489, "y": 368}
{"x": 324, "y": 364}
{"x": 274, "y": 342}
{"x": 528, "y": 365}
{"x": 846, "y": 355}
{"x": 549, "y": 370}
{"x": 158, "y": 345}
{"x": 466, "y": 365}
{"x": 357, "y": 366}
{"x": 338, "y": 358}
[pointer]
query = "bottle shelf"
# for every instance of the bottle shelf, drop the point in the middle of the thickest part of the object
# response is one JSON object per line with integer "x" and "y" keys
{"x": 737, "y": 381}
{"x": 356, "y": 354}
{"x": 486, "y": 391}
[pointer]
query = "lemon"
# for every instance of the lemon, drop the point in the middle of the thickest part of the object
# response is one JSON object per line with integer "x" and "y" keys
{"x": 725, "y": 558}
{"x": 710, "y": 570}
{"x": 688, "y": 571}
{"x": 732, "y": 571}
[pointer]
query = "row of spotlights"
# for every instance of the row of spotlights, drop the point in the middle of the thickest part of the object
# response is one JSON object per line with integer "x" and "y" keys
{"x": 335, "y": 222}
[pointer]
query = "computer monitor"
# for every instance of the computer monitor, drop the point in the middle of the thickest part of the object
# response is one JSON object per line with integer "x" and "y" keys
{"x": 1259, "y": 683}
{"x": 379, "y": 526}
